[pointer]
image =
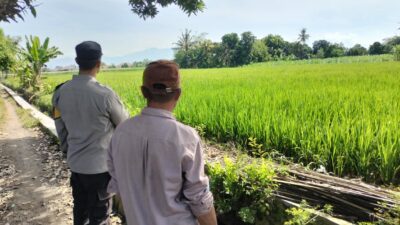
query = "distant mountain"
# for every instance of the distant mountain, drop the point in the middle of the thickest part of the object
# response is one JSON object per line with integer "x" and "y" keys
{"x": 150, "y": 54}
{"x": 60, "y": 61}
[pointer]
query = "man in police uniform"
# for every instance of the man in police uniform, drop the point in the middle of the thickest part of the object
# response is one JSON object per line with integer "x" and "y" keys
{"x": 86, "y": 114}
{"x": 156, "y": 163}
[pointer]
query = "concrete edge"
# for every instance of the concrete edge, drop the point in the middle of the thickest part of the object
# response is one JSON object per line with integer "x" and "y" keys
{"x": 45, "y": 121}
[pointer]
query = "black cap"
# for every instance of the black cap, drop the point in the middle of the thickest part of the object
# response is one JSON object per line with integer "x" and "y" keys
{"x": 88, "y": 51}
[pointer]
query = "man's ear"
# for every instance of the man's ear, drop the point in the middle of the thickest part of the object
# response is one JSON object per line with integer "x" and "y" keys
{"x": 178, "y": 94}
{"x": 98, "y": 65}
{"x": 146, "y": 92}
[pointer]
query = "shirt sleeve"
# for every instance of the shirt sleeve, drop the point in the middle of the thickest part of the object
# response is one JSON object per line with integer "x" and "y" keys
{"x": 61, "y": 129}
{"x": 196, "y": 187}
{"x": 116, "y": 109}
{"x": 113, "y": 184}
{"x": 62, "y": 134}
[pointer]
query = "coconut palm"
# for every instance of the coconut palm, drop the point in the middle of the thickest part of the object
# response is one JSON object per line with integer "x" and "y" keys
{"x": 186, "y": 41}
{"x": 38, "y": 55}
{"x": 303, "y": 36}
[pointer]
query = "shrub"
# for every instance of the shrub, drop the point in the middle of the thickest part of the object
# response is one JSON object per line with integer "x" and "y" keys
{"x": 396, "y": 52}
{"x": 387, "y": 214}
{"x": 243, "y": 189}
{"x": 305, "y": 214}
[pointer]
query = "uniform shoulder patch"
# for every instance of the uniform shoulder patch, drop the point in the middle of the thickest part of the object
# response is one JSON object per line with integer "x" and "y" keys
{"x": 59, "y": 85}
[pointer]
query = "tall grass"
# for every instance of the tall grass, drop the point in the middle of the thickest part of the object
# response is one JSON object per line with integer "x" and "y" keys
{"x": 345, "y": 116}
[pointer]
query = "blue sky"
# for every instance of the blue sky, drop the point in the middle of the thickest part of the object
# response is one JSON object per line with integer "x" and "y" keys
{"x": 120, "y": 32}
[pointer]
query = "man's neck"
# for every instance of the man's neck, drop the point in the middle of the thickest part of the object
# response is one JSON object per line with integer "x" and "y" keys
{"x": 165, "y": 106}
{"x": 91, "y": 73}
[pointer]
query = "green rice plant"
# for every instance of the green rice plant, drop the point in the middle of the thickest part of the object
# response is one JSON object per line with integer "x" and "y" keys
{"x": 343, "y": 115}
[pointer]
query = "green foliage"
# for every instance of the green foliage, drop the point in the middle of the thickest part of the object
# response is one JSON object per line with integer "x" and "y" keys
{"x": 303, "y": 36}
{"x": 320, "y": 53}
{"x": 305, "y": 214}
{"x": 8, "y": 52}
{"x": 188, "y": 48}
{"x": 24, "y": 72}
{"x": 357, "y": 50}
{"x": 301, "y": 51}
{"x": 243, "y": 188}
{"x": 256, "y": 148}
{"x": 278, "y": 48}
{"x": 186, "y": 41}
{"x": 325, "y": 49}
{"x": 142, "y": 63}
{"x": 148, "y": 8}
{"x": 396, "y": 52}
{"x": 201, "y": 129}
{"x": 336, "y": 50}
{"x": 300, "y": 216}
{"x": 204, "y": 54}
{"x": 37, "y": 54}
{"x": 392, "y": 41}
{"x": 226, "y": 54}
{"x": 387, "y": 215}
{"x": 323, "y": 45}
{"x": 247, "y": 215}
{"x": 259, "y": 52}
{"x": 194, "y": 51}
{"x": 14, "y": 9}
{"x": 376, "y": 49}
{"x": 244, "y": 49}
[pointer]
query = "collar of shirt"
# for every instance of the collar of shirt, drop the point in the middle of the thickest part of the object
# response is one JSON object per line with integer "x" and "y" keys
{"x": 148, "y": 111}
{"x": 83, "y": 77}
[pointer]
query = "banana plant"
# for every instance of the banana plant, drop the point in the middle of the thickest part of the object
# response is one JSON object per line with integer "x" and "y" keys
{"x": 38, "y": 54}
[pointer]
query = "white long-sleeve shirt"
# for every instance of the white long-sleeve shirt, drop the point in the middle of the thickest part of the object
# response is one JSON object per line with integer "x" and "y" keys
{"x": 157, "y": 168}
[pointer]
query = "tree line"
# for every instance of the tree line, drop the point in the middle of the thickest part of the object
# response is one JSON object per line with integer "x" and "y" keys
{"x": 195, "y": 51}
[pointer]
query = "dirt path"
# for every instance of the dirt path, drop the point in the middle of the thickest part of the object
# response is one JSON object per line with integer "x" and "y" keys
{"x": 33, "y": 175}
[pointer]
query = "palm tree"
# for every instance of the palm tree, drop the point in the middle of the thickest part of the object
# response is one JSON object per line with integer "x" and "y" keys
{"x": 38, "y": 55}
{"x": 303, "y": 36}
{"x": 185, "y": 42}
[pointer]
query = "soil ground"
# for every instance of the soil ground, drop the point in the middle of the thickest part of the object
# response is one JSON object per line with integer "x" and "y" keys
{"x": 34, "y": 184}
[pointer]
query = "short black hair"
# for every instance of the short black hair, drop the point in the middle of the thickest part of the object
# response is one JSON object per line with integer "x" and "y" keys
{"x": 88, "y": 54}
{"x": 87, "y": 65}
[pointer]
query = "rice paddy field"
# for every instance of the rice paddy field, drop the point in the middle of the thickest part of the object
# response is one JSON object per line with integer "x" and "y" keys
{"x": 343, "y": 115}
